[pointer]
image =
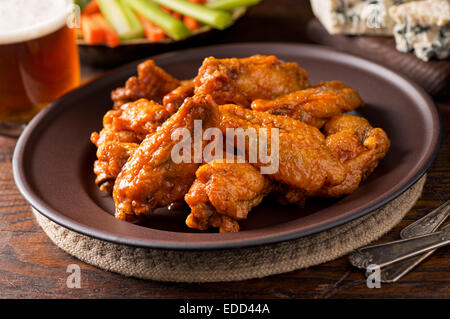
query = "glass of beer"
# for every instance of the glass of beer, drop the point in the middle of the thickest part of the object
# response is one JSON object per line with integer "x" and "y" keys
{"x": 38, "y": 59}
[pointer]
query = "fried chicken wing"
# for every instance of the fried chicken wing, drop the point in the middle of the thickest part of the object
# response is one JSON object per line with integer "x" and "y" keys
{"x": 123, "y": 131}
{"x": 111, "y": 156}
{"x": 304, "y": 160}
{"x": 151, "y": 178}
{"x": 240, "y": 81}
{"x": 174, "y": 99}
{"x": 131, "y": 122}
{"x": 223, "y": 194}
{"x": 358, "y": 146}
{"x": 152, "y": 83}
{"x": 314, "y": 105}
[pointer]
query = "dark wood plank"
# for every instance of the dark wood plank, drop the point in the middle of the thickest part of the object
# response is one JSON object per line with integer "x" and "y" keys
{"x": 31, "y": 266}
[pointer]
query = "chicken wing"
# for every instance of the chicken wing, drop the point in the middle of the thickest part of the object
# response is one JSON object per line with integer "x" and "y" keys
{"x": 123, "y": 131}
{"x": 131, "y": 122}
{"x": 151, "y": 178}
{"x": 223, "y": 194}
{"x": 111, "y": 156}
{"x": 240, "y": 81}
{"x": 174, "y": 99}
{"x": 152, "y": 83}
{"x": 357, "y": 145}
{"x": 315, "y": 105}
{"x": 304, "y": 160}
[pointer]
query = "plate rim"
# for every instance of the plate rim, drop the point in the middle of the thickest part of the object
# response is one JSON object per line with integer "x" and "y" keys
{"x": 57, "y": 217}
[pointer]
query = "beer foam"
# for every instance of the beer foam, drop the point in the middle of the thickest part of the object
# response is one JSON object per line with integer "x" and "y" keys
{"x": 23, "y": 20}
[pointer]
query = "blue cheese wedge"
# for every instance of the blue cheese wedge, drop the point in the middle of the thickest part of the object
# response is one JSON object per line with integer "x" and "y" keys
{"x": 423, "y": 26}
{"x": 355, "y": 16}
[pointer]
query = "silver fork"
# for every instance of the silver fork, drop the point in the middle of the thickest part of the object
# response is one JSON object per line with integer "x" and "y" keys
{"x": 427, "y": 224}
{"x": 386, "y": 254}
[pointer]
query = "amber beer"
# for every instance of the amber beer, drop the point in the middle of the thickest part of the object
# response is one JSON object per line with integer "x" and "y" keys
{"x": 38, "y": 58}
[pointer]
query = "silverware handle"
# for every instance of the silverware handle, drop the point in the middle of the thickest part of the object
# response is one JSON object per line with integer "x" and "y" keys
{"x": 428, "y": 223}
{"x": 386, "y": 254}
{"x": 425, "y": 225}
{"x": 394, "y": 271}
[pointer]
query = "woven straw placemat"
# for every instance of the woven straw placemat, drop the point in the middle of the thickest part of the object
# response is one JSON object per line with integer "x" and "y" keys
{"x": 238, "y": 263}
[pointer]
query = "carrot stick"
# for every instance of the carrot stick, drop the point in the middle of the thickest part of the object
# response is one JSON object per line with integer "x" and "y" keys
{"x": 191, "y": 23}
{"x": 166, "y": 10}
{"x": 174, "y": 14}
{"x": 110, "y": 36}
{"x": 92, "y": 33}
{"x": 91, "y": 8}
{"x": 177, "y": 15}
{"x": 152, "y": 32}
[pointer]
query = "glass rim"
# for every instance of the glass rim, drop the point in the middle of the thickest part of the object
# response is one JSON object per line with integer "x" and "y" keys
{"x": 38, "y": 30}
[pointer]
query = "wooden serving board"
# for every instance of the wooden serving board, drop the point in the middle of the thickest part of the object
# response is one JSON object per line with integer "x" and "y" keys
{"x": 433, "y": 76}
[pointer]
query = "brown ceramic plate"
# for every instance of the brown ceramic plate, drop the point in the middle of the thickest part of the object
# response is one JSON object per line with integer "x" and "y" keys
{"x": 53, "y": 159}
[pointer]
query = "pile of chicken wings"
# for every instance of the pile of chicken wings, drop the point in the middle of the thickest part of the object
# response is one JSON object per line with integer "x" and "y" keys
{"x": 322, "y": 152}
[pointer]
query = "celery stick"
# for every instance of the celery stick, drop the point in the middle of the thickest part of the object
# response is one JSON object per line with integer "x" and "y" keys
{"x": 113, "y": 12}
{"x": 215, "y": 18}
{"x": 133, "y": 19}
{"x": 82, "y": 3}
{"x": 231, "y": 4}
{"x": 173, "y": 27}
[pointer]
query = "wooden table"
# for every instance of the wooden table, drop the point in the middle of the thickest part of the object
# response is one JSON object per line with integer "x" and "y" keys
{"x": 31, "y": 266}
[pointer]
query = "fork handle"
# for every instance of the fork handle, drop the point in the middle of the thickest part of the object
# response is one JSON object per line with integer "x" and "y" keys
{"x": 425, "y": 225}
{"x": 386, "y": 254}
{"x": 428, "y": 223}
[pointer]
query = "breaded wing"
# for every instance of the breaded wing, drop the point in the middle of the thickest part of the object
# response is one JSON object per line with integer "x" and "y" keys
{"x": 151, "y": 178}
{"x": 151, "y": 83}
{"x": 240, "y": 81}
{"x": 123, "y": 131}
{"x": 131, "y": 122}
{"x": 314, "y": 105}
{"x": 174, "y": 99}
{"x": 223, "y": 194}
{"x": 358, "y": 146}
{"x": 111, "y": 157}
{"x": 305, "y": 162}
